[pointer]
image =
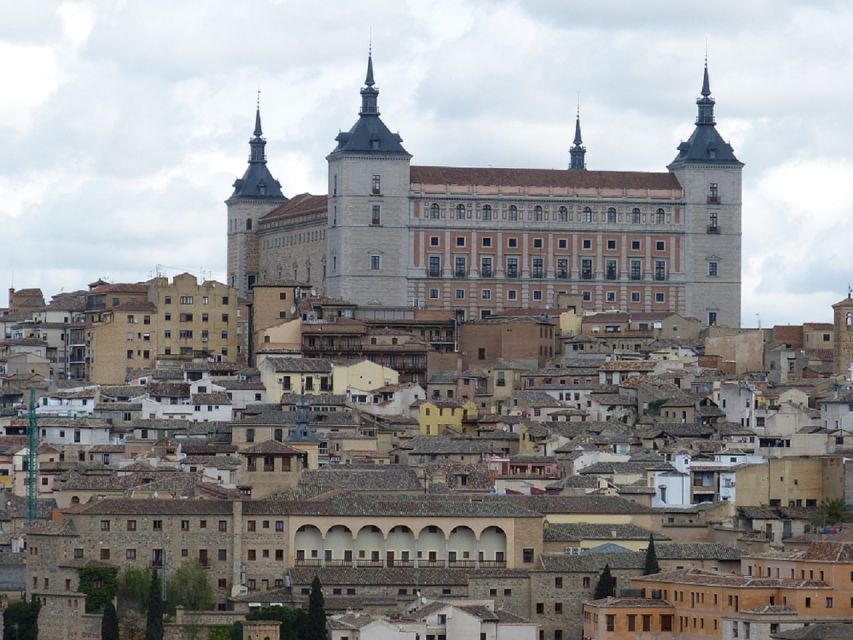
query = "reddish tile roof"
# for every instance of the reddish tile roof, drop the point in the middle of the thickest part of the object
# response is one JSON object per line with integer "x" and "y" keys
{"x": 543, "y": 178}
{"x": 297, "y": 205}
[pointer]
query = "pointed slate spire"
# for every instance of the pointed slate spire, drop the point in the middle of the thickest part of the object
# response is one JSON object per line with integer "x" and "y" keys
{"x": 257, "y": 182}
{"x": 578, "y": 151}
{"x": 369, "y": 94}
{"x": 706, "y": 102}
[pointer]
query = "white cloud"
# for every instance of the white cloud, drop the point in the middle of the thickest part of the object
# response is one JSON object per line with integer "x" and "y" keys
{"x": 124, "y": 124}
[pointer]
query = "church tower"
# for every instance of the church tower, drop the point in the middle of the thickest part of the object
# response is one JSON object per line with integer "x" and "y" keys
{"x": 578, "y": 152}
{"x": 710, "y": 175}
{"x": 842, "y": 325}
{"x": 255, "y": 194}
{"x": 367, "y": 240}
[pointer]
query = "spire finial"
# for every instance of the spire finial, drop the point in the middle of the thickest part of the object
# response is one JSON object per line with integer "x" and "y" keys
{"x": 706, "y": 85}
{"x": 258, "y": 132}
{"x": 368, "y": 81}
{"x": 578, "y": 151}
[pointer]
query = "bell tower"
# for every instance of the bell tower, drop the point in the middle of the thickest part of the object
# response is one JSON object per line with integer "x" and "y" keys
{"x": 255, "y": 194}
{"x": 842, "y": 328}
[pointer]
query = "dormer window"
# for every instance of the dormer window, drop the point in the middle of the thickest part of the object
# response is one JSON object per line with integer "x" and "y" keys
{"x": 262, "y": 188}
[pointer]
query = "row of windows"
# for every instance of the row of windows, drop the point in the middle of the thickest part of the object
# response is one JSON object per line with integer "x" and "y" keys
{"x": 538, "y": 214}
{"x": 537, "y": 268}
{"x": 294, "y": 239}
{"x": 187, "y": 334}
{"x": 188, "y": 317}
{"x": 190, "y": 300}
{"x": 157, "y": 525}
{"x": 538, "y": 243}
{"x": 537, "y": 295}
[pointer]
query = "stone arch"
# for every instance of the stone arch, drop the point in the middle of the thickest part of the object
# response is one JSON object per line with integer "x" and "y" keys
{"x": 339, "y": 544}
{"x": 492, "y": 546}
{"x": 308, "y": 543}
{"x": 369, "y": 544}
{"x": 462, "y": 545}
{"x": 432, "y": 544}
{"x": 401, "y": 547}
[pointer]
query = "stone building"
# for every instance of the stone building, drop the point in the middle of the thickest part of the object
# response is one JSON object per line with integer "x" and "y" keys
{"x": 480, "y": 240}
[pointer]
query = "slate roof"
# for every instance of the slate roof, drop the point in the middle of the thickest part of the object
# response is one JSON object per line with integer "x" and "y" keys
{"x": 696, "y": 551}
{"x": 507, "y": 177}
{"x": 439, "y": 445}
{"x": 272, "y": 447}
{"x": 609, "y": 468}
{"x": 403, "y": 576}
{"x": 818, "y": 631}
{"x": 169, "y": 389}
{"x": 217, "y": 397}
{"x": 298, "y": 205}
{"x": 698, "y": 576}
{"x": 559, "y": 532}
{"x": 363, "y": 478}
{"x": 546, "y": 504}
{"x": 154, "y": 506}
{"x": 300, "y": 365}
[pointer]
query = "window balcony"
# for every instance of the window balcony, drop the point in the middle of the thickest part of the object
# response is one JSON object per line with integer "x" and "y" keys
{"x": 538, "y": 273}
{"x": 714, "y": 228}
{"x": 562, "y": 274}
{"x": 307, "y": 562}
{"x": 433, "y": 273}
{"x": 636, "y": 276}
{"x": 486, "y": 272}
{"x": 512, "y": 272}
{"x": 493, "y": 564}
{"x": 611, "y": 274}
{"x": 369, "y": 564}
{"x": 660, "y": 275}
{"x": 460, "y": 273}
{"x": 587, "y": 274}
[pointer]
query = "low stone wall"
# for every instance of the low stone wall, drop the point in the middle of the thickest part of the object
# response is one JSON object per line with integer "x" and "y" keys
{"x": 197, "y": 625}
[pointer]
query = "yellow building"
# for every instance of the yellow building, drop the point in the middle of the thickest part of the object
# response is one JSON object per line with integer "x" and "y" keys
{"x": 790, "y": 482}
{"x": 125, "y": 338}
{"x": 294, "y": 374}
{"x": 434, "y": 417}
{"x": 363, "y": 375}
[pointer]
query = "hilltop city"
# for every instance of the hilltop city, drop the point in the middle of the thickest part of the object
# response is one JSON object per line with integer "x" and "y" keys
{"x": 435, "y": 403}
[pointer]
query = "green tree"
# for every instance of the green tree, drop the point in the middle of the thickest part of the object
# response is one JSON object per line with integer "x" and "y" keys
{"x": 134, "y": 585}
{"x": 190, "y": 588}
{"x": 154, "y": 620}
{"x": 109, "y": 623}
{"x": 20, "y": 621}
{"x": 292, "y": 620}
{"x": 236, "y": 631}
{"x": 606, "y": 585}
{"x": 99, "y": 584}
{"x": 315, "y": 623}
{"x": 834, "y": 511}
{"x": 652, "y": 565}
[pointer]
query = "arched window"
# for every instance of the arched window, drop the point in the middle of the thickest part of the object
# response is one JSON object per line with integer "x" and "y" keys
{"x": 635, "y": 216}
{"x": 487, "y": 212}
{"x": 433, "y": 211}
{"x": 660, "y": 216}
{"x": 587, "y": 214}
{"x": 460, "y": 211}
{"x": 564, "y": 214}
{"x": 611, "y": 215}
{"x": 513, "y": 212}
{"x": 537, "y": 213}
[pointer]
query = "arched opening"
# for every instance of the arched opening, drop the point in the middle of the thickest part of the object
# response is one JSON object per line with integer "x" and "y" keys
{"x": 431, "y": 547}
{"x": 400, "y": 547}
{"x": 460, "y": 211}
{"x": 564, "y": 214}
{"x": 75, "y": 499}
{"x": 308, "y": 543}
{"x": 434, "y": 211}
{"x": 369, "y": 544}
{"x": 492, "y": 551}
{"x": 462, "y": 548}
{"x": 338, "y": 547}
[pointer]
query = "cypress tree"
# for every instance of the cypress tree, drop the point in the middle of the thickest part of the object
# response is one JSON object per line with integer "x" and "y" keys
{"x": 315, "y": 624}
{"x": 652, "y": 565}
{"x": 154, "y": 622}
{"x": 605, "y": 586}
{"x": 109, "y": 623}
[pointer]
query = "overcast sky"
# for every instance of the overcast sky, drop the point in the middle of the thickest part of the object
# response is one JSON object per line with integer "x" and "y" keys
{"x": 123, "y": 124}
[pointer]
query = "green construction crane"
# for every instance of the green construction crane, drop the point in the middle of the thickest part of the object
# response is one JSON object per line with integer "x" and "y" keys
{"x": 32, "y": 458}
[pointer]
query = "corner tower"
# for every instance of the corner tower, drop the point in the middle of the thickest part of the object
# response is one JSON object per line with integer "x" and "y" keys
{"x": 578, "y": 152}
{"x": 367, "y": 247}
{"x": 710, "y": 176}
{"x": 255, "y": 194}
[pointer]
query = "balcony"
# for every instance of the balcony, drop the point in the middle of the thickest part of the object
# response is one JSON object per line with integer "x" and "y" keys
{"x": 433, "y": 272}
{"x": 636, "y": 275}
{"x": 308, "y": 562}
{"x": 460, "y": 273}
{"x": 562, "y": 274}
{"x": 492, "y": 564}
{"x": 338, "y": 563}
{"x": 512, "y": 272}
{"x": 660, "y": 276}
{"x": 611, "y": 274}
{"x": 369, "y": 564}
{"x": 462, "y": 564}
{"x": 587, "y": 274}
{"x": 538, "y": 273}
{"x": 714, "y": 228}
{"x": 486, "y": 272}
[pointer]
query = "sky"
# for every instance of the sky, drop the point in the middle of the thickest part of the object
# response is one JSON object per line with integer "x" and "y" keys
{"x": 124, "y": 124}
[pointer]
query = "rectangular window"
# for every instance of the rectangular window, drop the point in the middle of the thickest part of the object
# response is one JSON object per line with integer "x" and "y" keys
{"x": 660, "y": 245}
{"x": 486, "y": 294}
{"x": 512, "y": 243}
{"x": 527, "y": 555}
{"x": 610, "y": 270}
{"x": 537, "y": 295}
{"x": 512, "y": 294}
{"x": 636, "y": 270}
{"x": 562, "y": 243}
{"x": 130, "y": 554}
{"x": 459, "y": 269}
{"x": 586, "y": 269}
{"x": 433, "y": 294}
{"x": 712, "y": 318}
{"x": 660, "y": 297}
{"x": 610, "y": 622}
{"x": 375, "y": 262}
{"x": 562, "y": 268}
{"x": 486, "y": 267}
{"x": 487, "y": 243}
{"x": 660, "y": 269}
{"x": 635, "y": 296}
{"x": 611, "y": 245}
{"x": 587, "y": 296}
{"x": 610, "y": 296}
{"x": 712, "y": 268}
{"x": 375, "y": 215}
{"x": 433, "y": 241}
{"x": 460, "y": 294}
{"x": 434, "y": 270}
{"x": 186, "y": 299}
{"x": 537, "y": 243}
{"x": 376, "y": 186}
{"x": 512, "y": 267}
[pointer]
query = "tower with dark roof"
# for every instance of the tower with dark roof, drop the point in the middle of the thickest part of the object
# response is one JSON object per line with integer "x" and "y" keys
{"x": 368, "y": 215}
{"x": 255, "y": 194}
{"x": 578, "y": 152}
{"x": 710, "y": 176}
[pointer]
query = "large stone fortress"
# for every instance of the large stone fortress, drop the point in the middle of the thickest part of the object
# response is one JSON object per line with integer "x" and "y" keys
{"x": 481, "y": 240}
